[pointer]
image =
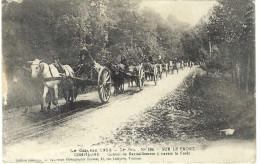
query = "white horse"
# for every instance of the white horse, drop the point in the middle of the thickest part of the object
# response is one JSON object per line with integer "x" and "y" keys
{"x": 4, "y": 89}
{"x": 51, "y": 78}
{"x": 181, "y": 64}
{"x": 178, "y": 66}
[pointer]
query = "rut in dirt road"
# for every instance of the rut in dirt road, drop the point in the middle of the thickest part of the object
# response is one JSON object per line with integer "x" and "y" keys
{"x": 91, "y": 126}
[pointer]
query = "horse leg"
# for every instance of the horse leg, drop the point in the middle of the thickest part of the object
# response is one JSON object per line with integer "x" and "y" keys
{"x": 129, "y": 81}
{"x": 137, "y": 81}
{"x": 119, "y": 86}
{"x": 72, "y": 94}
{"x": 49, "y": 105}
{"x": 75, "y": 92}
{"x": 67, "y": 98}
{"x": 45, "y": 91}
{"x": 5, "y": 98}
{"x": 116, "y": 88}
{"x": 123, "y": 85}
{"x": 71, "y": 90}
{"x": 56, "y": 93}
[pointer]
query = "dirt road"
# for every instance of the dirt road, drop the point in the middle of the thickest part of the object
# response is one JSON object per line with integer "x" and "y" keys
{"x": 39, "y": 136}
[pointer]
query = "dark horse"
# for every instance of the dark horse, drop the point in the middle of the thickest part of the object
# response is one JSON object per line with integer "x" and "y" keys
{"x": 117, "y": 75}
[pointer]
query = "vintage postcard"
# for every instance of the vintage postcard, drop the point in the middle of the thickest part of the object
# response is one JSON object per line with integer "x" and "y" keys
{"x": 128, "y": 81}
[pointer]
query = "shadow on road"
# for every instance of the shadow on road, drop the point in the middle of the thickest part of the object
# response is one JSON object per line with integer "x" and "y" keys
{"x": 34, "y": 122}
{"x": 63, "y": 111}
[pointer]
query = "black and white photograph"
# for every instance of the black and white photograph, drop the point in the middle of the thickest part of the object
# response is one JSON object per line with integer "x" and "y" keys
{"x": 128, "y": 81}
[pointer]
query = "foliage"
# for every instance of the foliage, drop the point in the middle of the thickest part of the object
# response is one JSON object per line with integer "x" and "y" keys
{"x": 229, "y": 32}
{"x": 111, "y": 28}
{"x": 60, "y": 29}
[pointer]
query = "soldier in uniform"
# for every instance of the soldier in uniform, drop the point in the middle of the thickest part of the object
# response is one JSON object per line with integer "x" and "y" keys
{"x": 124, "y": 62}
{"x": 160, "y": 61}
{"x": 150, "y": 59}
{"x": 83, "y": 62}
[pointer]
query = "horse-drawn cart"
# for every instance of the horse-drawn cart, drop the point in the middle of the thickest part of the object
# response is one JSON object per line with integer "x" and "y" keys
{"x": 151, "y": 71}
{"x": 174, "y": 65}
{"x": 100, "y": 77}
{"x": 171, "y": 66}
{"x": 165, "y": 68}
{"x": 136, "y": 73}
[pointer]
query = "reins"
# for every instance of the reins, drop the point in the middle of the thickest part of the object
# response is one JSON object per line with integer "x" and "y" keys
{"x": 44, "y": 79}
{"x": 50, "y": 70}
{"x": 80, "y": 66}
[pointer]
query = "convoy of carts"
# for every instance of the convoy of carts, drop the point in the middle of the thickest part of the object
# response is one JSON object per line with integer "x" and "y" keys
{"x": 138, "y": 73}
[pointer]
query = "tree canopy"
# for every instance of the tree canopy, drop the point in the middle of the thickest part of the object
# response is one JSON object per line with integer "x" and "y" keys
{"x": 228, "y": 38}
{"x": 59, "y": 29}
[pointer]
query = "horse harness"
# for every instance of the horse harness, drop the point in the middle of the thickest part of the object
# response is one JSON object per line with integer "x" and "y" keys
{"x": 52, "y": 78}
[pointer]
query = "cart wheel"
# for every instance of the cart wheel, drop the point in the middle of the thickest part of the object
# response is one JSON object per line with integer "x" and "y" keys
{"x": 155, "y": 75}
{"x": 141, "y": 78}
{"x": 104, "y": 84}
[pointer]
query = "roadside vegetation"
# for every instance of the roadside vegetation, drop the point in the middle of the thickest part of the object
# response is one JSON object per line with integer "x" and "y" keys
{"x": 196, "y": 111}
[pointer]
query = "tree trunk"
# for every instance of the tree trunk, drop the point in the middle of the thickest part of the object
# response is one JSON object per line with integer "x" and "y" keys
{"x": 248, "y": 73}
{"x": 232, "y": 74}
{"x": 241, "y": 80}
{"x": 235, "y": 69}
{"x": 210, "y": 51}
{"x": 238, "y": 73}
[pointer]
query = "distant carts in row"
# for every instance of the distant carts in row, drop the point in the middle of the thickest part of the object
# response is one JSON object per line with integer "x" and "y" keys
{"x": 103, "y": 77}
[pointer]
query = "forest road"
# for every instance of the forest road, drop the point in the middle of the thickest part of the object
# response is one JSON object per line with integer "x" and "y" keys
{"x": 47, "y": 137}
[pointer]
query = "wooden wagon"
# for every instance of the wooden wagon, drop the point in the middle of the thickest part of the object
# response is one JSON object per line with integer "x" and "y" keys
{"x": 100, "y": 77}
{"x": 136, "y": 73}
{"x": 151, "y": 71}
{"x": 174, "y": 65}
{"x": 165, "y": 68}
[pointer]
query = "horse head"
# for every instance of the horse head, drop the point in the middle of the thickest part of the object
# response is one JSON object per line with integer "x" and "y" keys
{"x": 115, "y": 69}
{"x": 36, "y": 67}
